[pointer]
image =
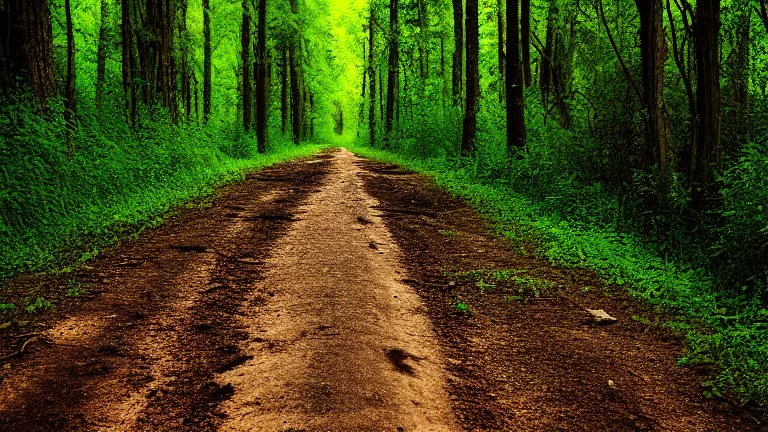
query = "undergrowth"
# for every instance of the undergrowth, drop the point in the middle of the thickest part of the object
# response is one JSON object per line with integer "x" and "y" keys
{"x": 57, "y": 211}
{"x": 724, "y": 330}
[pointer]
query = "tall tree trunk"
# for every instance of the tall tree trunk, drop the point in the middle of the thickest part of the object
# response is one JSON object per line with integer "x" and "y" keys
{"x": 101, "y": 54}
{"x": 70, "y": 99}
{"x": 458, "y": 50}
{"x": 245, "y": 60}
{"x": 394, "y": 58}
{"x": 515, "y": 109}
{"x": 371, "y": 82}
{"x": 422, "y": 15}
{"x": 295, "y": 95}
{"x": 500, "y": 48}
{"x": 185, "y": 73}
{"x": 473, "y": 78}
{"x": 525, "y": 35}
{"x": 545, "y": 73}
{"x": 27, "y": 47}
{"x": 261, "y": 77}
{"x": 206, "y": 61}
{"x": 705, "y": 158}
{"x": 129, "y": 61}
{"x": 653, "y": 49}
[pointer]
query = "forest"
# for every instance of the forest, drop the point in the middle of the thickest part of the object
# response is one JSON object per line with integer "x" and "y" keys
{"x": 627, "y": 138}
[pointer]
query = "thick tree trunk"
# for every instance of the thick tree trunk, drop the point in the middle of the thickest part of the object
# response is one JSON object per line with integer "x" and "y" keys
{"x": 394, "y": 59}
{"x": 206, "y": 61}
{"x": 70, "y": 97}
{"x": 653, "y": 48}
{"x": 184, "y": 74}
{"x": 371, "y": 82}
{"x": 245, "y": 64}
{"x": 516, "y": 135}
{"x": 458, "y": 50}
{"x": 27, "y": 47}
{"x": 101, "y": 54}
{"x": 473, "y": 78}
{"x": 705, "y": 158}
{"x": 525, "y": 34}
{"x": 261, "y": 77}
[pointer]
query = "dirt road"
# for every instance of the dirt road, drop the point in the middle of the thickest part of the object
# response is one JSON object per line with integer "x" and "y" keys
{"x": 344, "y": 295}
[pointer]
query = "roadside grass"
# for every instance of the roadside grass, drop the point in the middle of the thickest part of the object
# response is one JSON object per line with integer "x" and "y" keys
{"x": 726, "y": 332}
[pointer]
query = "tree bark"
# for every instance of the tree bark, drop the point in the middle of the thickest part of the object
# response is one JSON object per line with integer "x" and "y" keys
{"x": 261, "y": 77}
{"x": 27, "y": 47}
{"x": 653, "y": 50}
{"x": 473, "y": 78}
{"x": 184, "y": 74}
{"x": 394, "y": 59}
{"x": 206, "y": 61}
{"x": 706, "y": 153}
{"x": 458, "y": 50}
{"x": 516, "y": 134}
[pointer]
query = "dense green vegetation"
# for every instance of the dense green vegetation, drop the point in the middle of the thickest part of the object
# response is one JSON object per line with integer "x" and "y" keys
{"x": 625, "y": 137}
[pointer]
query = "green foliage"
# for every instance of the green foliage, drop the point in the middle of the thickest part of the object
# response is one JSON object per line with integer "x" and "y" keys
{"x": 53, "y": 208}
{"x": 723, "y": 329}
{"x": 38, "y": 304}
{"x": 462, "y": 307}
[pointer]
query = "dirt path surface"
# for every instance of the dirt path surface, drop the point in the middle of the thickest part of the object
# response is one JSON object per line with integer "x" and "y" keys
{"x": 337, "y": 294}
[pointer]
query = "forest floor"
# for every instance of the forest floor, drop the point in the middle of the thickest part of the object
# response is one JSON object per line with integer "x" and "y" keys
{"x": 336, "y": 293}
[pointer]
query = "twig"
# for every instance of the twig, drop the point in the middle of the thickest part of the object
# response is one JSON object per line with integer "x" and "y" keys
{"x": 21, "y": 350}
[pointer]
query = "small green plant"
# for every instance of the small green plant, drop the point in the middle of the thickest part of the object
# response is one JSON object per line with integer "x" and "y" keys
{"x": 461, "y": 307}
{"x": 38, "y": 304}
{"x": 448, "y": 233}
{"x": 533, "y": 287}
{"x": 7, "y": 307}
{"x": 485, "y": 287}
{"x": 75, "y": 288}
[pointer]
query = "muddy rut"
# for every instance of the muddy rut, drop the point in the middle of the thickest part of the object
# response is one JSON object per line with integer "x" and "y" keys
{"x": 321, "y": 295}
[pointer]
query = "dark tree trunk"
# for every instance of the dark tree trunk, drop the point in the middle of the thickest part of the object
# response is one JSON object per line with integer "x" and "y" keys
{"x": 156, "y": 48}
{"x": 515, "y": 109}
{"x": 129, "y": 61}
{"x": 245, "y": 60}
{"x": 101, "y": 54}
{"x": 500, "y": 48}
{"x": 261, "y": 77}
{"x": 653, "y": 48}
{"x": 371, "y": 82}
{"x": 705, "y": 157}
{"x": 525, "y": 34}
{"x": 473, "y": 78}
{"x": 27, "y": 47}
{"x": 70, "y": 97}
{"x": 394, "y": 59}
{"x": 206, "y": 61}
{"x": 185, "y": 73}
{"x": 458, "y": 50}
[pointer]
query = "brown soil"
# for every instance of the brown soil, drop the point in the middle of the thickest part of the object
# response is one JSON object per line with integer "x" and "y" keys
{"x": 322, "y": 295}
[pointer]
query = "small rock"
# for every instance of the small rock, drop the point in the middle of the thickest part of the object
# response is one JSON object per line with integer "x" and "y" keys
{"x": 601, "y": 317}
